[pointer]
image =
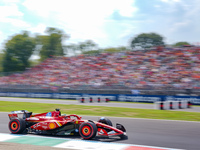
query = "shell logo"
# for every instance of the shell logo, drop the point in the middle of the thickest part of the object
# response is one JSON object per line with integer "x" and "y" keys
{"x": 52, "y": 125}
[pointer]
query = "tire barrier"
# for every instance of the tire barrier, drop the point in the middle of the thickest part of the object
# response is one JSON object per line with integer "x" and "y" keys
{"x": 93, "y": 99}
{"x": 167, "y": 105}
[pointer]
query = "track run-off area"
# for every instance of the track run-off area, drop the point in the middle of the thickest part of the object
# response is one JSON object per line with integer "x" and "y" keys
{"x": 143, "y": 134}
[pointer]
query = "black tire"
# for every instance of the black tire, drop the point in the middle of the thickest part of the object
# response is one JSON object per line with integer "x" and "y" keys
{"x": 105, "y": 121}
{"x": 17, "y": 125}
{"x": 88, "y": 130}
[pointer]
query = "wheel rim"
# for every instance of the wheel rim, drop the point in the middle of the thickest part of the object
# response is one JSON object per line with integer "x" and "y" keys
{"x": 14, "y": 125}
{"x": 86, "y": 131}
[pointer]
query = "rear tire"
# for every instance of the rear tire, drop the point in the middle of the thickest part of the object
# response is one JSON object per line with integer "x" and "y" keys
{"x": 17, "y": 125}
{"x": 88, "y": 130}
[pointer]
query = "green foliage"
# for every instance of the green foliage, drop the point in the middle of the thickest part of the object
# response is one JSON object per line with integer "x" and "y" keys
{"x": 72, "y": 48}
{"x": 51, "y": 44}
{"x": 106, "y": 50}
{"x": 1, "y": 61}
{"x": 147, "y": 40}
{"x": 93, "y": 52}
{"x": 179, "y": 44}
{"x": 115, "y": 50}
{"x": 123, "y": 48}
{"x": 100, "y": 111}
{"x": 34, "y": 62}
{"x": 111, "y": 50}
{"x": 17, "y": 52}
{"x": 81, "y": 47}
{"x": 87, "y": 45}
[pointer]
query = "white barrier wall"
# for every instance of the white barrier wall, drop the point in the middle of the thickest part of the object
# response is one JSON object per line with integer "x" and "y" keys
{"x": 93, "y": 99}
{"x": 175, "y": 105}
{"x": 167, "y": 105}
{"x": 184, "y": 104}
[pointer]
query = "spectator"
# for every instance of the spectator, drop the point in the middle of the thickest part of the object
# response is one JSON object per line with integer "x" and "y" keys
{"x": 177, "y": 68}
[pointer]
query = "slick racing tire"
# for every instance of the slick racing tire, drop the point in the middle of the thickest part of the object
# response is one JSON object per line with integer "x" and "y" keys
{"x": 88, "y": 130}
{"x": 17, "y": 125}
{"x": 105, "y": 121}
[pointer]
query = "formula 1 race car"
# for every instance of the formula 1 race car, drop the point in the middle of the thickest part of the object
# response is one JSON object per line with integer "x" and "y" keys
{"x": 56, "y": 124}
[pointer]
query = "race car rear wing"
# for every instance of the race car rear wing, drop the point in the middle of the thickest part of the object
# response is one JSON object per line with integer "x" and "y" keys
{"x": 19, "y": 114}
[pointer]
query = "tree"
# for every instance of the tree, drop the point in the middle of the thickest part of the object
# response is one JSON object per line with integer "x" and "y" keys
{"x": 93, "y": 52}
{"x": 123, "y": 48}
{"x": 112, "y": 50}
{"x": 71, "y": 49}
{"x": 147, "y": 40}
{"x": 17, "y": 52}
{"x": 178, "y": 44}
{"x": 51, "y": 44}
{"x": 1, "y": 61}
{"x": 87, "y": 45}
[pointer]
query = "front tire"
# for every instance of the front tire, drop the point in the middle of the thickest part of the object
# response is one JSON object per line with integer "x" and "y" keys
{"x": 88, "y": 130}
{"x": 17, "y": 125}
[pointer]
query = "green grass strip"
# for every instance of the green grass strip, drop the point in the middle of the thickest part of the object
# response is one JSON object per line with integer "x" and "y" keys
{"x": 100, "y": 111}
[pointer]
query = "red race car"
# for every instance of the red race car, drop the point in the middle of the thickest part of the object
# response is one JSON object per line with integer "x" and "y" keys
{"x": 56, "y": 124}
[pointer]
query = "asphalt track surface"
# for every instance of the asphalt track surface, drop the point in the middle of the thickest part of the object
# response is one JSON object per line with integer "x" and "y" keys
{"x": 160, "y": 133}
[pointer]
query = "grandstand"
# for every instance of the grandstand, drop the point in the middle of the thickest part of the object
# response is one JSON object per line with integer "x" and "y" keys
{"x": 167, "y": 69}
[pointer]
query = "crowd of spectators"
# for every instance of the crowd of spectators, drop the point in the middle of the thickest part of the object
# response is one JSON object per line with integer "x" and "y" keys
{"x": 163, "y": 68}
